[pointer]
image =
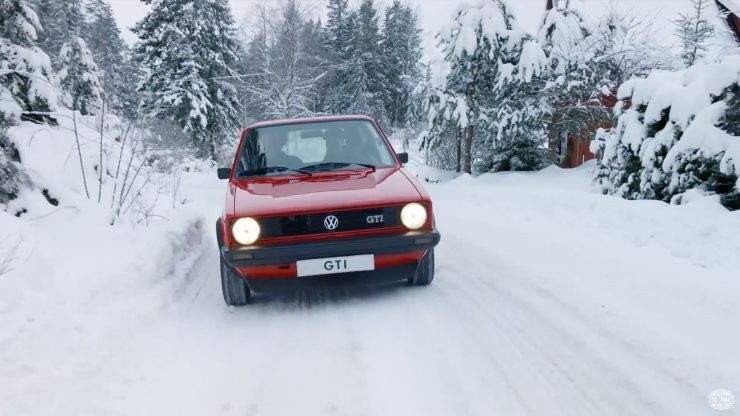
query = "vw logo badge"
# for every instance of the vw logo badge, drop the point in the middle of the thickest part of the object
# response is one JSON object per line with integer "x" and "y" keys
{"x": 331, "y": 222}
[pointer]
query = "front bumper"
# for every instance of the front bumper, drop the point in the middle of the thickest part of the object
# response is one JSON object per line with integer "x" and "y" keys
{"x": 354, "y": 280}
{"x": 290, "y": 253}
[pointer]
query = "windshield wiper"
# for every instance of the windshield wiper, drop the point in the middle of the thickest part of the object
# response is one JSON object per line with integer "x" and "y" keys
{"x": 337, "y": 165}
{"x": 270, "y": 169}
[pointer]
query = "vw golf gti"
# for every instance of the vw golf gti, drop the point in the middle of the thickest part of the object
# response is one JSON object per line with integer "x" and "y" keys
{"x": 321, "y": 202}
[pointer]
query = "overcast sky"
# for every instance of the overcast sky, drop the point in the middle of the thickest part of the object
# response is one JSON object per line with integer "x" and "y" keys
{"x": 435, "y": 13}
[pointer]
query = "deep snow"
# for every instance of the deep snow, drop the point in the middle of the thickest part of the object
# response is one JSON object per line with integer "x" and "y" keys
{"x": 549, "y": 299}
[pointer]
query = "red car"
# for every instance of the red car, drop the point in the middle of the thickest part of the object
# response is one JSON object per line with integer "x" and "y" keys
{"x": 321, "y": 201}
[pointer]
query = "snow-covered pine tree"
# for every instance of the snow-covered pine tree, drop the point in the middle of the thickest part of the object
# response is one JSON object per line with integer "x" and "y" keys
{"x": 578, "y": 73}
{"x": 366, "y": 44}
{"x": 693, "y": 30}
{"x": 315, "y": 58}
{"x": 348, "y": 90}
{"x": 443, "y": 137}
{"x": 367, "y": 37}
{"x": 337, "y": 33}
{"x": 492, "y": 62}
{"x": 118, "y": 75}
{"x": 78, "y": 75}
{"x": 24, "y": 86}
{"x": 61, "y": 20}
{"x": 346, "y": 86}
{"x": 346, "y": 82}
{"x": 517, "y": 132}
{"x": 187, "y": 47}
{"x": 416, "y": 112}
{"x": 253, "y": 34}
{"x": 402, "y": 52}
{"x": 465, "y": 98}
{"x": 286, "y": 86}
{"x": 349, "y": 93}
{"x": 63, "y": 38}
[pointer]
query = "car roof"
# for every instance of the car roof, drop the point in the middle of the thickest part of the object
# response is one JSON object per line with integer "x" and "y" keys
{"x": 307, "y": 120}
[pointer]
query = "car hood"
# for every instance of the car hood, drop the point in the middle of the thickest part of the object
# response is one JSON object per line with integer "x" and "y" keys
{"x": 323, "y": 192}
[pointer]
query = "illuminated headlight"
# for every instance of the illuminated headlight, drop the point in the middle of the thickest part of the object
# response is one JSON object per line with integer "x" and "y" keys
{"x": 246, "y": 231}
{"x": 414, "y": 216}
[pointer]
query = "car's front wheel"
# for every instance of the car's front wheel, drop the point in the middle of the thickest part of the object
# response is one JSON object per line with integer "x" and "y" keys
{"x": 425, "y": 271}
{"x": 235, "y": 289}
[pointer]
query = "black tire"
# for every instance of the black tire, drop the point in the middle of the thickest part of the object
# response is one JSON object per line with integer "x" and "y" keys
{"x": 235, "y": 289}
{"x": 425, "y": 271}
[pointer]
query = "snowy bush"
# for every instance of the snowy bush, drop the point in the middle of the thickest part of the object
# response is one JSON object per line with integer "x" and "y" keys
{"x": 679, "y": 134}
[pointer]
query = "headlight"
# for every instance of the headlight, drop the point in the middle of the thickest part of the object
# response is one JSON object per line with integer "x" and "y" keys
{"x": 414, "y": 216}
{"x": 246, "y": 231}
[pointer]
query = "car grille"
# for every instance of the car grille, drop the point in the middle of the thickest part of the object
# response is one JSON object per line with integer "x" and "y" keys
{"x": 306, "y": 224}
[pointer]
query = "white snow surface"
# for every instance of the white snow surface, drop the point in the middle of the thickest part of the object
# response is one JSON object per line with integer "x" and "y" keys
{"x": 71, "y": 284}
{"x": 549, "y": 299}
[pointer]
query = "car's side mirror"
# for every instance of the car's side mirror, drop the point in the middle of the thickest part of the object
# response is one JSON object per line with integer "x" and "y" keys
{"x": 403, "y": 157}
{"x": 224, "y": 173}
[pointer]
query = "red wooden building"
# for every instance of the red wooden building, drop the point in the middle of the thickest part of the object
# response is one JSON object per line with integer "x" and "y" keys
{"x": 732, "y": 9}
{"x": 572, "y": 150}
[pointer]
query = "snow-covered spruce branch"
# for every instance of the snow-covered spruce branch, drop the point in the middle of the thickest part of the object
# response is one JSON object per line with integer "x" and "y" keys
{"x": 27, "y": 74}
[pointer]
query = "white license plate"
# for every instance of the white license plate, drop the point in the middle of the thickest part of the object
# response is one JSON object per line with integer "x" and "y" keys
{"x": 334, "y": 265}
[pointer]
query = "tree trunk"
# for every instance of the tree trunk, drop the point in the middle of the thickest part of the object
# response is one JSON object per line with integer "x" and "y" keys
{"x": 468, "y": 154}
{"x": 458, "y": 151}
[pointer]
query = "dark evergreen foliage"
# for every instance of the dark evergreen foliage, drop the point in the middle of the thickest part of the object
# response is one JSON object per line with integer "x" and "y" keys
{"x": 118, "y": 74}
{"x": 189, "y": 49}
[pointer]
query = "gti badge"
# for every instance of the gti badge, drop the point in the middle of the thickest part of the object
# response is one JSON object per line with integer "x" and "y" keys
{"x": 374, "y": 219}
{"x": 331, "y": 222}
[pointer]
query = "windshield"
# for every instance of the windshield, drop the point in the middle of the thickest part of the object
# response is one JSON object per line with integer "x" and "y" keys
{"x": 313, "y": 147}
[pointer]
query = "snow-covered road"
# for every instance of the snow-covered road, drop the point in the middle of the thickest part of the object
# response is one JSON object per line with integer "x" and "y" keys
{"x": 548, "y": 300}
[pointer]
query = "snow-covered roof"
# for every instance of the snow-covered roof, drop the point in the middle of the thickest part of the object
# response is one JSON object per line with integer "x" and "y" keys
{"x": 733, "y": 20}
{"x": 731, "y": 5}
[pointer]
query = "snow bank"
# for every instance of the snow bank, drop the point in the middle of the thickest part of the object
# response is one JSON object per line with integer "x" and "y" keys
{"x": 94, "y": 199}
{"x": 76, "y": 285}
{"x": 678, "y": 134}
{"x": 75, "y": 272}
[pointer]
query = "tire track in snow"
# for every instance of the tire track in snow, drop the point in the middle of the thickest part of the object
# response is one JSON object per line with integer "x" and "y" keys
{"x": 527, "y": 364}
{"x": 544, "y": 319}
{"x": 522, "y": 385}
